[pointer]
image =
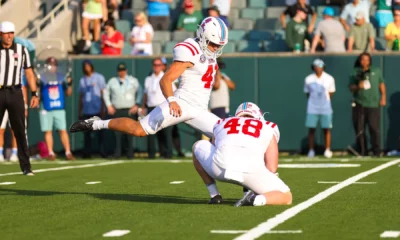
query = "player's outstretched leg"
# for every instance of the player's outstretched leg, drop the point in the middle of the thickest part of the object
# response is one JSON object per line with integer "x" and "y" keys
{"x": 124, "y": 125}
{"x": 210, "y": 183}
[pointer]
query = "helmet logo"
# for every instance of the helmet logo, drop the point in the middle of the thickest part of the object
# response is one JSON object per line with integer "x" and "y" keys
{"x": 204, "y": 23}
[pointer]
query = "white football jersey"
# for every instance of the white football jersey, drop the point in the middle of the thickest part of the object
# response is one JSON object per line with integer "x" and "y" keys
{"x": 242, "y": 142}
{"x": 195, "y": 83}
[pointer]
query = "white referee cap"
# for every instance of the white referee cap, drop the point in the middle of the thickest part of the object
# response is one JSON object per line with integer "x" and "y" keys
{"x": 7, "y": 27}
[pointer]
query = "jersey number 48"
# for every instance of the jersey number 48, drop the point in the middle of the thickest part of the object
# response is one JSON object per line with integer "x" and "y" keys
{"x": 251, "y": 127}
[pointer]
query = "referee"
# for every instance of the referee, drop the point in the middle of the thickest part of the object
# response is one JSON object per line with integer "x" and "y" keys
{"x": 14, "y": 57}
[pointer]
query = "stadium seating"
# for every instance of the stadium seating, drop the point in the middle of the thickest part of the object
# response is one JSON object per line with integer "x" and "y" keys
{"x": 157, "y": 48}
{"x": 95, "y": 48}
{"x": 274, "y": 12}
{"x": 257, "y": 3}
{"x": 127, "y": 48}
{"x": 243, "y": 24}
{"x": 127, "y": 15}
{"x": 380, "y": 44}
{"x": 248, "y": 46}
{"x": 236, "y": 35}
{"x": 169, "y": 47}
{"x": 181, "y": 35}
{"x": 252, "y": 13}
{"x": 139, "y": 4}
{"x": 123, "y": 26}
{"x": 277, "y": 45}
{"x": 230, "y": 47}
{"x": 267, "y": 24}
{"x": 162, "y": 36}
{"x": 238, "y": 4}
{"x": 260, "y": 35}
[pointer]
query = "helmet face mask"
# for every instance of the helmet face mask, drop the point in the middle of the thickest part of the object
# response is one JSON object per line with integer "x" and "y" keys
{"x": 212, "y": 31}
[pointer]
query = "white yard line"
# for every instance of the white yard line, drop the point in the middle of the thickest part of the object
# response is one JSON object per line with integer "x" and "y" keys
{"x": 273, "y": 222}
{"x": 335, "y": 182}
{"x": 176, "y": 182}
{"x": 65, "y": 168}
{"x": 317, "y": 165}
{"x": 390, "y": 234}
{"x": 245, "y": 231}
{"x": 116, "y": 233}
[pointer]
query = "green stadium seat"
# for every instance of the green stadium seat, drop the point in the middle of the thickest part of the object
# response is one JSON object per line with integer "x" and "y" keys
{"x": 380, "y": 44}
{"x": 205, "y": 3}
{"x": 274, "y": 12}
{"x": 236, "y": 35}
{"x": 257, "y": 3}
{"x": 229, "y": 47}
{"x": 234, "y": 14}
{"x": 252, "y": 13}
{"x": 139, "y": 4}
{"x": 181, "y": 35}
{"x": 274, "y": 46}
{"x": 248, "y": 46}
{"x": 127, "y": 36}
{"x": 381, "y": 32}
{"x": 157, "y": 48}
{"x": 127, "y": 48}
{"x": 267, "y": 24}
{"x": 123, "y": 26}
{"x": 95, "y": 48}
{"x": 238, "y": 4}
{"x": 244, "y": 24}
{"x": 127, "y": 15}
{"x": 162, "y": 36}
{"x": 260, "y": 35}
{"x": 169, "y": 46}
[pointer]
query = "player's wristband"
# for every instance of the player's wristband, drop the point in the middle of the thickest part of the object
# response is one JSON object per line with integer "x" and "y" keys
{"x": 171, "y": 99}
{"x": 26, "y": 106}
{"x": 35, "y": 94}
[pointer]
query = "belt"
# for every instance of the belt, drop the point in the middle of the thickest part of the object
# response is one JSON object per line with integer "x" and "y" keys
{"x": 2, "y": 87}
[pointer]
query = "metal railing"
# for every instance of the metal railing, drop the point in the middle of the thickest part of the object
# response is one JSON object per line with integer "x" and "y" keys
{"x": 63, "y": 5}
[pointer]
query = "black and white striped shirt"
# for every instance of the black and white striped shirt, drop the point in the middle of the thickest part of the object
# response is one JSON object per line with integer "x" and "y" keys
{"x": 12, "y": 60}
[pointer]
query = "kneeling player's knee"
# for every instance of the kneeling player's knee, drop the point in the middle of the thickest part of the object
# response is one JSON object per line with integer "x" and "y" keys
{"x": 289, "y": 198}
{"x": 195, "y": 145}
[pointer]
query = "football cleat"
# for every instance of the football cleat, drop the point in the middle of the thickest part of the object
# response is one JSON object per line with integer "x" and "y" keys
{"x": 217, "y": 199}
{"x": 28, "y": 173}
{"x": 246, "y": 200}
{"x": 83, "y": 125}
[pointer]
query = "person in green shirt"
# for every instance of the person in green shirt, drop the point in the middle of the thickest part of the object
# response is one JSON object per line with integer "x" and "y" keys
{"x": 189, "y": 19}
{"x": 362, "y": 35}
{"x": 369, "y": 94}
{"x": 296, "y": 30}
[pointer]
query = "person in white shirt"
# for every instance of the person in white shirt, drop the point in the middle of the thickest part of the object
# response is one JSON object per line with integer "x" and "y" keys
{"x": 153, "y": 97}
{"x": 142, "y": 36}
{"x": 219, "y": 100}
{"x": 224, "y": 7}
{"x": 242, "y": 152}
{"x": 319, "y": 87}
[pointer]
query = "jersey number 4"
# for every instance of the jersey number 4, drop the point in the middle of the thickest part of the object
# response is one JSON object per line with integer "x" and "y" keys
{"x": 250, "y": 127}
{"x": 208, "y": 76}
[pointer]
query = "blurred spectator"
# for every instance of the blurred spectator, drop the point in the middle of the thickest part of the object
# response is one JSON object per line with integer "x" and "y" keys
{"x": 392, "y": 31}
{"x": 190, "y": 18}
{"x": 197, "y": 4}
{"x": 332, "y": 32}
{"x": 292, "y": 11}
{"x": 348, "y": 16}
{"x": 112, "y": 9}
{"x": 213, "y": 11}
{"x": 224, "y": 7}
{"x": 158, "y": 11}
{"x": 153, "y": 97}
{"x": 53, "y": 88}
{"x": 219, "y": 99}
{"x": 112, "y": 40}
{"x": 384, "y": 14}
{"x": 296, "y": 31}
{"x": 339, "y": 3}
{"x": 93, "y": 10}
{"x": 122, "y": 97}
{"x": 362, "y": 35}
{"x": 369, "y": 94}
{"x": 319, "y": 87}
{"x": 91, "y": 87}
{"x": 142, "y": 36}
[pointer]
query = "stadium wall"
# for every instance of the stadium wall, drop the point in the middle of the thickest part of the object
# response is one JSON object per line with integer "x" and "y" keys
{"x": 275, "y": 82}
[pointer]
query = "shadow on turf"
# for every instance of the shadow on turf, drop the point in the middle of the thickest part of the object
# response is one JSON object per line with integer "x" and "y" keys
{"x": 118, "y": 197}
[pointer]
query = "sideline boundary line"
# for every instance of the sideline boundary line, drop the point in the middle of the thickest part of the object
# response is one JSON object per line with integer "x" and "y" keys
{"x": 273, "y": 222}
